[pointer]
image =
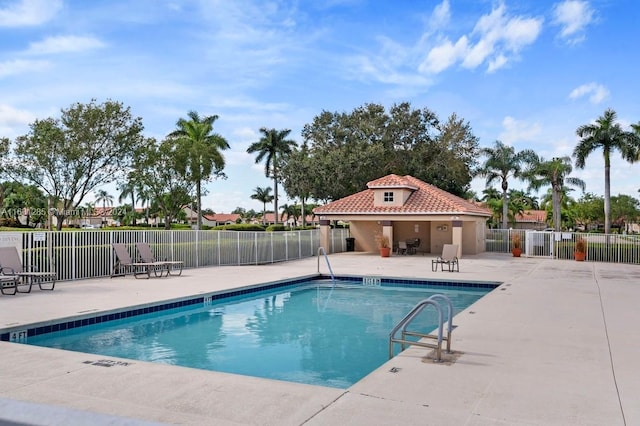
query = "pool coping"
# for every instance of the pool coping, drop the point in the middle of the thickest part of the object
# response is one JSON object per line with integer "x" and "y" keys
{"x": 574, "y": 364}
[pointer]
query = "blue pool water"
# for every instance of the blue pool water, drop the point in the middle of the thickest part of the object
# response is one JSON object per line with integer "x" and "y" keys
{"x": 306, "y": 333}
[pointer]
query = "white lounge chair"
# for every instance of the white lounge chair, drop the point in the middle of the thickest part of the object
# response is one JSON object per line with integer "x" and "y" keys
{"x": 449, "y": 257}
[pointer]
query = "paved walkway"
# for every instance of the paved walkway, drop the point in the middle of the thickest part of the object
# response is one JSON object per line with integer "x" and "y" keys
{"x": 556, "y": 344}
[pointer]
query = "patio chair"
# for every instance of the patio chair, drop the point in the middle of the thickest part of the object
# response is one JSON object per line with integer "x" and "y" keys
{"x": 144, "y": 250}
{"x": 125, "y": 264}
{"x": 8, "y": 282}
{"x": 402, "y": 247}
{"x": 449, "y": 257}
{"x": 26, "y": 277}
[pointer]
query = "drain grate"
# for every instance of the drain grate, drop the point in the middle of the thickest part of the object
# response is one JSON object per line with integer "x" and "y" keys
{"x": 108, "y": 363}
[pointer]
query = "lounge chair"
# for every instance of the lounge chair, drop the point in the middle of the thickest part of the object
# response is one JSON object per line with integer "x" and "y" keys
{"x": 144, "y": 250}
{"x": 26, "y": 276}
{"x": 449, "y": 257}
{"x": 8, "y": 282}
{"x": 124, "y": 264}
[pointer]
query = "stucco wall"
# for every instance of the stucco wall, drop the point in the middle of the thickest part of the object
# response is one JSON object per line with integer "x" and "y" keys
{"x": 403, "y": 231}
{"x": 364, "y": 232}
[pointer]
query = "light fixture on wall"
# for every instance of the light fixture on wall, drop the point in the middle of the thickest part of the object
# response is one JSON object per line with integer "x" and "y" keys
{"x": 416, "y": 228}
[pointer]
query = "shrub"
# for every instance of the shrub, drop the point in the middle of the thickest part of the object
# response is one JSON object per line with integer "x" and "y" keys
{"x": 277, "y": 228}
{"x": 239, "y": 227}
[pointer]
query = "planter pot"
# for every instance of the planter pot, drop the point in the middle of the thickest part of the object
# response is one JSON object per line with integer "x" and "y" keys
{"x": 580, "y": 256}
{"x": 516, "y": 252}
{"x": 385, "y": 251}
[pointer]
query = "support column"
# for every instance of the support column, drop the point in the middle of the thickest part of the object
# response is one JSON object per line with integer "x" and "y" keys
{"x": 387, "y": 230}
{"x": 325, "y": 235}
{"x": 456, "y": 235}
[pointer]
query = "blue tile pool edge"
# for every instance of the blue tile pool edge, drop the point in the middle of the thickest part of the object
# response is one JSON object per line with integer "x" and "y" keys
{"x": 22, "y": 332}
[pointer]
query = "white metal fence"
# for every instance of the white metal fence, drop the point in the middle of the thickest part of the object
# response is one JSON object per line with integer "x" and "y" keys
{"x": 88, "y": 254}
{"x": 561, "y": 245}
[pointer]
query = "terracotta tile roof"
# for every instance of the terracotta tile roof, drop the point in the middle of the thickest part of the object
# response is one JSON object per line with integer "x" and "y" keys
{"x": 532, "y": 216}
{"x": 426, "y": 199}
{"x": 224, "y": 217}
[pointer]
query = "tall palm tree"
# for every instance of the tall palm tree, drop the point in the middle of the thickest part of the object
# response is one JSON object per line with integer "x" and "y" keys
{"x": 605, "y": 134}
{"x": 503, "y": 162}
{"x": 198, "y": 152}
{"x": 554, "y": 172}
{"x": 264, "y": 196}
{"x": 272, "y": 147}
{"x": 102, "y": 196}
{"x": 128, "y": 189}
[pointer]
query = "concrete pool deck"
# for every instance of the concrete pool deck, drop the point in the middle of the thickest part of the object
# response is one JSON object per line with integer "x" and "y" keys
{"x": 556, "y": 344}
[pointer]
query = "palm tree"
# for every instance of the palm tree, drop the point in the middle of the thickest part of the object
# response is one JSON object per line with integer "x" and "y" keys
{"x": 503, "y": 162}
{"x": 554, "y": 172}
{"x": 128, "y": 189}
{"x": 605, "y": 134}
{"x": 102, "y": 196}
{"x": 198, "y": 152}
{"x": 271, "y": 148}
{"x": 264, "y": 196}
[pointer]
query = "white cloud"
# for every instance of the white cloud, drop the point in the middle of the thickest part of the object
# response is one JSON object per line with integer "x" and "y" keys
{"x": 515, "y": 131}
{"x": 440, "y": 16}
{"x": 496, "y": 39}
{"x": 20, "y": 66}
{"x": 29, "y": 12}
{"x": 596, "y": 92}
{"x": 61, "y": 44}
{"x": 13, "y": 120}
{"x": 445, "y": 55}
{"x": 573, "y": 16}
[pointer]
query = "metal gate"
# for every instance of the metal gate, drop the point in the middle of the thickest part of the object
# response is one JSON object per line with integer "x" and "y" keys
{"x": 539, "y": 243}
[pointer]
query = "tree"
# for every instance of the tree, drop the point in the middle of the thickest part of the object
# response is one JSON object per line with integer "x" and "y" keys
{"x": 102, "y": 196}
{"x": 588, "y": 210}
{"x": 272, "y": 148}
{"x": 128, "y": 189}
{"x": 264, "y": 196}
{"x": 503, "y": 162}
{"x": 624, "y": 209}
{"x": 448, "y": 162}
{"x": 297, "y": 176}
{"x": 198, "y": 155}
{"x": 89, "y": 146}
{"x": 155, "y": 169}
{"x": 605, "y": 134}
{"x": 554, "y": 172}
{"x": 351, "y": 149}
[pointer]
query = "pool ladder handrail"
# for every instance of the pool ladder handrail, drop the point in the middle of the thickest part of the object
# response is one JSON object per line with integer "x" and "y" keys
{"x": 321, "y": 250}
{"x": 435, "y": 301}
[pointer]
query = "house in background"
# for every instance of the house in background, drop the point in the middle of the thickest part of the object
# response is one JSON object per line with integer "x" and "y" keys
{"x": 531, "y": 219}
{"x": 270, "y": 219}
{"x": 405, "y": 208}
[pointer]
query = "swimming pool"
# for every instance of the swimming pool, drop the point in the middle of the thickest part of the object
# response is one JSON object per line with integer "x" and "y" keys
{"x": 305, "y": 331}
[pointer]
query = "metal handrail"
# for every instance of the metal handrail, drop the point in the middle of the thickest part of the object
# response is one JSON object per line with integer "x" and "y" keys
{"x": 450, "y": 325}
{"x": 404, "y": 322}
{"x": 321, "y": 250}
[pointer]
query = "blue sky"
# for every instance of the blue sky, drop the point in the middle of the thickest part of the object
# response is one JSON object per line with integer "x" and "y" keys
{"x": 526, "y": 72}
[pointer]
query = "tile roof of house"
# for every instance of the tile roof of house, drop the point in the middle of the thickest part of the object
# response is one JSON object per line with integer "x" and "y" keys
{"x": 223, "y": 217}
{"x": 425, "y": 199}
{"x": 532, "y": 216}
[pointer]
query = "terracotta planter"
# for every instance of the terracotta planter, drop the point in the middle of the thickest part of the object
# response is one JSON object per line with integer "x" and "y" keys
{"x": 516, "y": 252}
{"x": 385, "y": 251}
{"x": 580, "y": 256}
